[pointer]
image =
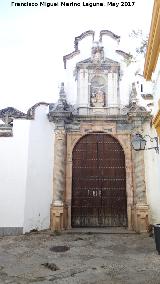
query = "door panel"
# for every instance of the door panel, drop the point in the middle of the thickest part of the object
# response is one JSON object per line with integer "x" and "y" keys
{"x": 98, "y": 182}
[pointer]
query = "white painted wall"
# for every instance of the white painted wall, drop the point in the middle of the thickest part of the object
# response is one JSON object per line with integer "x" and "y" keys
{"x": 152, "y": 170}
{"x": 152, "y": 160}
{"x": 156, "y": 91}
{"x": 13, "y": 173}
{"x": 39, "y": 172}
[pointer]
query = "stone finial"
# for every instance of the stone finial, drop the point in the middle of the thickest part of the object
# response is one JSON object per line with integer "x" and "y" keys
{"x": 62, "y": 95}
{"x": 62, "y": 92}
{"x": 133, "y": 95}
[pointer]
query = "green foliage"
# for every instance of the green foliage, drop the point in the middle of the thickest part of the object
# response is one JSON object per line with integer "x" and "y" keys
{"x": 138, "y": 34}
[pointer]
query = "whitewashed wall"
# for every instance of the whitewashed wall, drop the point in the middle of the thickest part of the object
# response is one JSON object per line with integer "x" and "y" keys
{"x": 152, "y": 159}
{"x": 26, "y": 175}
{"x": 152, "y": 170}
{"x": 13, "y": 173}
{"x": 156, "y": 91}
{"x": 39, "y": 172}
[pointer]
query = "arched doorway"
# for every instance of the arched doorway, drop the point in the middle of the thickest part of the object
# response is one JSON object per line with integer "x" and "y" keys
{"x": 98, "y": 182}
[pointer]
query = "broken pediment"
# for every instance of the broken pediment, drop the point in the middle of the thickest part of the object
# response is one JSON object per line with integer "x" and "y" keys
{"x": 97, "y": 49}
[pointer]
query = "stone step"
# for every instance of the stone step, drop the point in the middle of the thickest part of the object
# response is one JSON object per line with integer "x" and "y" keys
{"x": 107, "y": 230}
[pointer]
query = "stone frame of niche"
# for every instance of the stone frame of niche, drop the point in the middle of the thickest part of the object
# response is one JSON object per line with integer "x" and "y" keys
{"x": 124, "y": 140}
{"x": 105, "y": 78}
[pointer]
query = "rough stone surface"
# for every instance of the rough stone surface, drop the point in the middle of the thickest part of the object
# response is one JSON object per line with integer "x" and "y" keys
{"x": 95, "y": 258}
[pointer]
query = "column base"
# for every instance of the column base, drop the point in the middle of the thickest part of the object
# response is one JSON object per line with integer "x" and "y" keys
{"x": 141, "y": 218}
{"x": 57, "y": 217}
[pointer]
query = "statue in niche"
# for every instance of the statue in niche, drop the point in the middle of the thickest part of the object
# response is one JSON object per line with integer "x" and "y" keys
{"x": 98, "y": 98}
{"x": 97, "y": 91}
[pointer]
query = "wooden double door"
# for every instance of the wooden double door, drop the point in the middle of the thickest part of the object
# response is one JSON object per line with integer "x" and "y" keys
{"x": 98, "y": 182}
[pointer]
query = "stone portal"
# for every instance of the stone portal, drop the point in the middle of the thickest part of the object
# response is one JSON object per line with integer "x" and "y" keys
{"x": 98, "y": 178}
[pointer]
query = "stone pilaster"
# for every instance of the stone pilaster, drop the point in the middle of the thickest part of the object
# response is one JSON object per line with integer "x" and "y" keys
{"x": 57, "y": 206}
{"x": 139, "y": 174}
{"x": 140, "y": 201}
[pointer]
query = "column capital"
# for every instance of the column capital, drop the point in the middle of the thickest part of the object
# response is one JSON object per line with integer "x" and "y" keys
{"x": 60, "y": 133}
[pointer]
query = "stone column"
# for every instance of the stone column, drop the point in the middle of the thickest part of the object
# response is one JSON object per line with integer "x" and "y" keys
{"x": 140, "y": 199}
{"x": 57, "y": 206}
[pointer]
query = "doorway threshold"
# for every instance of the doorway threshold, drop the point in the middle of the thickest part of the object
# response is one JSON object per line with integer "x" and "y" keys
{"x": 96, "y": 230}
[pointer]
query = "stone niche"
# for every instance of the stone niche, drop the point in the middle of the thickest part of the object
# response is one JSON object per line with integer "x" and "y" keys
{"x": 98, "y": 84}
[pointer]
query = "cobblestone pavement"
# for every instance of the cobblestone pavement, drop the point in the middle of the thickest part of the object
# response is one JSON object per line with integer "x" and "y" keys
{"x": 90, "y": 258}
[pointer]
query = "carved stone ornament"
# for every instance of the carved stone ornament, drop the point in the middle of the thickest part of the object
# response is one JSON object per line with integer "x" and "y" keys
{"x": 97, "y": 53}
{"x": 8, "y": 114}
{"x": 59, "y": 134}
{"x": 62, "y": 110}
{"x": 133, "y": 108}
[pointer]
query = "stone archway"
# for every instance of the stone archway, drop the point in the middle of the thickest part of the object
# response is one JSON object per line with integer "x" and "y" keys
{"x": 137, "y": 208}
{"x": 98, "y": 182}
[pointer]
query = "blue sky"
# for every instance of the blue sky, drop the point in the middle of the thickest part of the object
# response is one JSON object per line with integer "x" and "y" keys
{"x": 33, "y": 41}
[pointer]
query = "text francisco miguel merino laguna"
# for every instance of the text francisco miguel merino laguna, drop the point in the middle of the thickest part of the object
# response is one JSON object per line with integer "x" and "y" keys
{"x": 53, "y": 4}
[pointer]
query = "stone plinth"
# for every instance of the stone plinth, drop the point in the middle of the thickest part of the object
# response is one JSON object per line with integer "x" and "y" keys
{"x": 57, "y": 216}
{"x": 141, "y": 218}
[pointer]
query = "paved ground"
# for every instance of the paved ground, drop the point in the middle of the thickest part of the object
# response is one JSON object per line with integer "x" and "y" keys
{"x": 91, "y": 258}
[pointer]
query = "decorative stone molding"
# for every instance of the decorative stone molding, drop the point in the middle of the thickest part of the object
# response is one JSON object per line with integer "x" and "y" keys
{"x": 82, "y": 36}
{"x": 76, "y": 50}
{"x": 6, "y": 130}
{"x": 8, "y": 114}
{"x": 103, "y": 65}
{"x": 133, "y": 109}
{"x": 70, "y": 56}
{"x": 125, "y": 55}
{"x": 108, "y": 127}
{"x": 31, "y": 111}
{"x": 110, "y": 34}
